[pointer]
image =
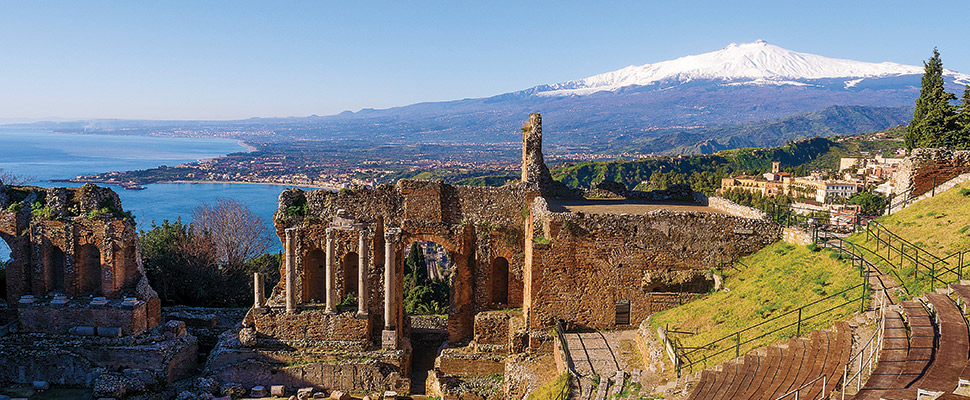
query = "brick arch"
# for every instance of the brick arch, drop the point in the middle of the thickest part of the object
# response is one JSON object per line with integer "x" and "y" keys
{"x": 461, "y": 310}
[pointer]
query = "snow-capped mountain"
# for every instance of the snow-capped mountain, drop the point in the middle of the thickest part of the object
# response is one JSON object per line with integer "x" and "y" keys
{"x": 744, "y": 95}
{"x": 756, "y": 63}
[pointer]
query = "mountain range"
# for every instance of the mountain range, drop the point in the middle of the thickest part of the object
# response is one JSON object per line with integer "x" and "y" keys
{"x": 744, "y": 95}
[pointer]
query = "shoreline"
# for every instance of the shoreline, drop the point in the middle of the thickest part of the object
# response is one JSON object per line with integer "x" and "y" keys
{"x": 332, "y": 188}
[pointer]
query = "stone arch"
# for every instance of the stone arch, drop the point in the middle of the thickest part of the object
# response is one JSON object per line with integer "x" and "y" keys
{"x": 88, "y": 269}
{"x": 314, "y": 276}
{"x": 500, "y": 282}
{"x": 350, "y": 268}
{"x": 461, "y": 308}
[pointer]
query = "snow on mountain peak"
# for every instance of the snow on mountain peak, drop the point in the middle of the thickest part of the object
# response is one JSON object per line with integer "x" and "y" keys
{"x": 758, "y": 62}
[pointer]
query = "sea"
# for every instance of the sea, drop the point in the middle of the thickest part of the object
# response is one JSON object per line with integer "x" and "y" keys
{"x": 45, "y": 155}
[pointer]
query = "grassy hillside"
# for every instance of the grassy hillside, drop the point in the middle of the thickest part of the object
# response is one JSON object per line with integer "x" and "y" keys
{"x": 777, "y": 279}
{"x": 939, "y": 225}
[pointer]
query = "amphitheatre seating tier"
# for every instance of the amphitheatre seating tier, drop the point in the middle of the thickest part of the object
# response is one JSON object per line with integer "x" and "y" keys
{"x": 921, "y": 348}
{"x": 938, "y": 353}
{"x": 783, "y": 369}
{"x": 895, "y": 347}
{"x": 954, "y": 344}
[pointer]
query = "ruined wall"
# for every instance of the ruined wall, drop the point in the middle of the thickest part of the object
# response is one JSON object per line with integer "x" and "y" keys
{"x": 926, "y": 167}
{"x": 582, "y": 264}
{"x": 77, "y": 242}
{"x": 477, "y": 225}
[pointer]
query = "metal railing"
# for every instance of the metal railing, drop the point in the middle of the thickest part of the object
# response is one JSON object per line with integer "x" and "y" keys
{"x": 805, "y": 385}
{"x": 689, "y": 357}
{"x": 946, "y": 270}
{"x": 873, "y": 348}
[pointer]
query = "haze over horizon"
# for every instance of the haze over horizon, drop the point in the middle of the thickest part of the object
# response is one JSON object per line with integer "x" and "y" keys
{"x": 221, "y": 60}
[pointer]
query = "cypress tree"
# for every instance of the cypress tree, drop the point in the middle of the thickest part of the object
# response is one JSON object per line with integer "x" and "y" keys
{"x": 933, "y": 116}
{"x": 961, "y": 122}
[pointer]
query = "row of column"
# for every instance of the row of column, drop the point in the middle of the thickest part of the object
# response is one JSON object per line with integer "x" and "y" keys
{"x": 391, "y": 237}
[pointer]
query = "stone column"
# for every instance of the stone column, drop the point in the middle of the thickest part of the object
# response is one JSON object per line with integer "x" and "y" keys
{"x": 329, "y": 272}
{"x": 389, "y": 335}
{"x": 290, "y": 269}
{"x": 390, "y": 240}
{"x": 259, "y": 295}
{"x": 362, "y": 248}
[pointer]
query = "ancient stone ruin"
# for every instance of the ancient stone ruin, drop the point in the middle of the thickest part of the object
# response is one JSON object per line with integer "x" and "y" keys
{"x": 520, "y": 266}
{"x": 79, "y": 307}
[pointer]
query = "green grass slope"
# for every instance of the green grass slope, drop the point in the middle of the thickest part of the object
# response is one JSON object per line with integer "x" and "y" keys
{"x": 779, "y": 278}
{"x": 939, "y": 225}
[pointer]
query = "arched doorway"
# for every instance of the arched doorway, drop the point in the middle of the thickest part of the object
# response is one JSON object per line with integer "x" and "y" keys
{"x": 350, "y": 274}
{"x": 314, "y": 277}
{"x": 500, "y": 282}
{"x": 88, "y": 270}
{"x": 427, "y": 295}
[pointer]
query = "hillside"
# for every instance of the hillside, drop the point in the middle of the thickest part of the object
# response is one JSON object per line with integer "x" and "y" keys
{"x": 831, "y": 121}
{"x": 939, "y": 225}
{"x": 704, "y": 172}
{"x": 776, "y": 279}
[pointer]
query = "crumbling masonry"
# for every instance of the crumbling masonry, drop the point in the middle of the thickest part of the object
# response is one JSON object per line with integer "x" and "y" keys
{"x": 78, "y": 305}
{"x": 601, "y": 271}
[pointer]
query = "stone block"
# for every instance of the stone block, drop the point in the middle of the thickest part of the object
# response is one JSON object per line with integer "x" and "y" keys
{"x": 41, "y": 385}
{"x": 258, "y": 391}
{"x": 277, "y": 390}
{"x": 83, "y": 331}
{"x": 389, "y": 339}
{"x": 304, "y": 393}
{"x": 338, "y": 395}
{"x": 390, "y": 395}
{"x": 175, "y": 327}
{"x": 106, "y": 331}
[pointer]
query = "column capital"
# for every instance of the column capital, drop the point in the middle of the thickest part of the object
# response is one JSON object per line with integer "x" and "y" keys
{"x": 392, "y": 234}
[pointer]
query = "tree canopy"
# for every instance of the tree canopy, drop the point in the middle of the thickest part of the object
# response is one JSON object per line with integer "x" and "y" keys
{"x": 936, "y": 122}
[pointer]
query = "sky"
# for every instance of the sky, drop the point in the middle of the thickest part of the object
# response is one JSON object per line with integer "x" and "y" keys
{"x": 240, "y": 59}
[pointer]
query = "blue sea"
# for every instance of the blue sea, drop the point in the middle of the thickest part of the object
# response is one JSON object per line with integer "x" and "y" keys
{"x": 44, "y": 155}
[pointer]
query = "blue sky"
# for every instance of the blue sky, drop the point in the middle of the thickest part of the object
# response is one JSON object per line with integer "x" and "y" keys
{"x": 239, "y": 59}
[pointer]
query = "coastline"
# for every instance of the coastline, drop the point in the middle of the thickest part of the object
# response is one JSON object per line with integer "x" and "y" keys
{"x": 250, "y": 148}
{"x": 328, "y": 187}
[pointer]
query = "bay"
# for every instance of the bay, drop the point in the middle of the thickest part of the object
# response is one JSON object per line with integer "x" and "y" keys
{"x": 45, "y": 155}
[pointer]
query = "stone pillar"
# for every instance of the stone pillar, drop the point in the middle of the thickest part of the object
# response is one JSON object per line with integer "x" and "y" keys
{"x": 534, "y": 168}
{"x": 362, "y": 248}
{"x": 329, "y": 272}
{"x": 389, "y": 335}
{"x": 259, "y": 295}
{"x": 290, "y": 248}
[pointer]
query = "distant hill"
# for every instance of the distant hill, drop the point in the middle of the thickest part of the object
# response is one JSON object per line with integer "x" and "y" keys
{"x": 704, "y": 172}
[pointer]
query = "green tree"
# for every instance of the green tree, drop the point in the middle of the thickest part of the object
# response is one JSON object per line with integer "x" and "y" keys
{"x": 423, "y": 295}
{"x": 869, "y": 203}
{"x": 933, "y": 116}
{"x": 961, "y": 134}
